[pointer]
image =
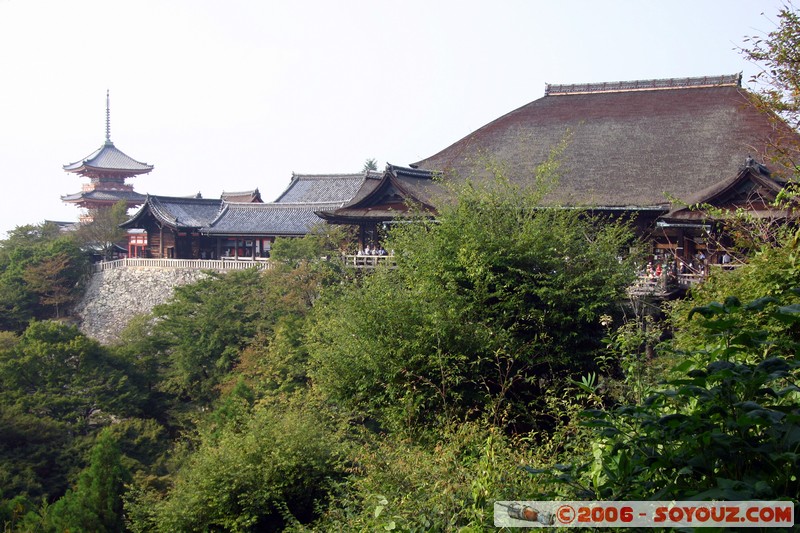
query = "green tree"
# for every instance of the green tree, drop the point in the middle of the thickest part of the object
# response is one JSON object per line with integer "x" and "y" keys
{"x": 41, "y": 273}
{"x": 202, "y": 331}
{"x": 778, "y": 55}
{"x": 57, "y": 372}
{"x": 95, "y": 504}
{"x": 37, "y": 455}
{"x": 203, "y": 328}
{"x": 59, "y": 388}
{"x": 487, "y": 303}
{"x": 724, "y": 426}
{"x": 104, "y": 231}
{"x": 370, "y": 164}
{"x": 258, "y": 472}
{"x": 322, "y": 242}
{"x": 403, "y": 485}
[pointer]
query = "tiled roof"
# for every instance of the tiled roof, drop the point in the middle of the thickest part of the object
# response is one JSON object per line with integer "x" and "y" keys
{"x": 266, "y": 219}
{"x": 388, "y": 197}
{"x": 109, "y": 158}
{"x": 179, "y": 213}
{"x": 630, "y": 145}
{"x": 104, "y": 195}
{"x": 242, "y": 196}
{"x": 323, "y": 188}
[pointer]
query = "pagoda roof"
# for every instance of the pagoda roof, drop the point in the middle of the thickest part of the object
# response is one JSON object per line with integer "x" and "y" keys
{"x": 629, "y": 145}
{"x": 104, "y": 196}
{"x": 280, "y": 219}
{"x": 177, "y": 212}
{"x": 324, "y": 188}
{"x": 108, "y": 158}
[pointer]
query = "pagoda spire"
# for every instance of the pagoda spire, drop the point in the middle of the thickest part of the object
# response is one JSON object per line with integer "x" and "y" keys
{"x": 107, "y": 168}
{"x": 108, "y": 117}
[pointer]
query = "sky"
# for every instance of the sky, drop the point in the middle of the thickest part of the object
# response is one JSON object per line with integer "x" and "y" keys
{"x": 238, "y": 94}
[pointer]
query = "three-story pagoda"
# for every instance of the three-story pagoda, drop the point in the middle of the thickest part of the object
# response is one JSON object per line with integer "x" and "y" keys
{"x": 107, "y": 169}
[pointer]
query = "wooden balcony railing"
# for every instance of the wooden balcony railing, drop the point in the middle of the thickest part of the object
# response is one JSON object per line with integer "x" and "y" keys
{"x": 667, "y": 283}
{"x": 368, "y": 261}
{"x": 191, "y": 264}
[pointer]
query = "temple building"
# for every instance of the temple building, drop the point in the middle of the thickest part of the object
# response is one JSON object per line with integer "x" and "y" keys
{"x": 646, "y": 151}
{"x": 237, "y": 225}
{"x": 643, "y": 150}
{"x": 107, "y": 168}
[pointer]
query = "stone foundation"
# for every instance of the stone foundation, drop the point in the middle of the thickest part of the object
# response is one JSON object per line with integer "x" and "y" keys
{"x": 114, "y": 297}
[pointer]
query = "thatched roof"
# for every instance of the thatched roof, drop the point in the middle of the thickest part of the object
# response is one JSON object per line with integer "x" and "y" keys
{"x": 630, "y": 144}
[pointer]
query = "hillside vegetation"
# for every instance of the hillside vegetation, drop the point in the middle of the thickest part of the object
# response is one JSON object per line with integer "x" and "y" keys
{"x": 498, "y": 361}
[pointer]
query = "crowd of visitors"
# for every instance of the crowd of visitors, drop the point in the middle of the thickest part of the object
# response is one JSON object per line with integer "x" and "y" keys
{"x": 659, "y": 267}
{"x": 375, "y": 250}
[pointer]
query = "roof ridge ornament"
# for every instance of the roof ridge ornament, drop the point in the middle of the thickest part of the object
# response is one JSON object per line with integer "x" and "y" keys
{"x": 108, "y": 117}
{"x": 734, "y": 80}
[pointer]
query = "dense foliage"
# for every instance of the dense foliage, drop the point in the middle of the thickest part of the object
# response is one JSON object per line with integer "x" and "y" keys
{"x": 494, "y": 362}
{"x": 41, "y": 274}
{"x": 488, "y": 302}
{"x": 307, "y": 397}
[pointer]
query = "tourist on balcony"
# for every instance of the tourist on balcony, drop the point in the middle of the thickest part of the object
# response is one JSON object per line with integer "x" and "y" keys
{"x": 726, "y": 261}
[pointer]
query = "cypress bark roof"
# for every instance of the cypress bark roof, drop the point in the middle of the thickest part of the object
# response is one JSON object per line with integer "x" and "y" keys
{"x": 631, "y": 144}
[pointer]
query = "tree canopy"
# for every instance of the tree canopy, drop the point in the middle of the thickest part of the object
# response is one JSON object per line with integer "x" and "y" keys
{"x": 42, "y": 272}
{"x": 486, "y": 299}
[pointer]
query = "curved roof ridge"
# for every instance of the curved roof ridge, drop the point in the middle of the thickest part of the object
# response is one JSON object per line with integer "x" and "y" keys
{"x": 240, "y": 193}
{"x": 329, "y": 176}
{"x": 282, "y": 205}
{"x": 183, "y": 199}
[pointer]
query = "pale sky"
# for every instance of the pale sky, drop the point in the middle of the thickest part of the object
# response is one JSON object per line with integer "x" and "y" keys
{"x": 233, "y": 95}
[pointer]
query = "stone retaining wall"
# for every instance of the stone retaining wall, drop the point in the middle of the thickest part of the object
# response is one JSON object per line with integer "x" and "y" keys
{"x": 113, "y": 297}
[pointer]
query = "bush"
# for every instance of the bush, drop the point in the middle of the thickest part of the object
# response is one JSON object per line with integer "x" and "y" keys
{"x": 259, "y": 474}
